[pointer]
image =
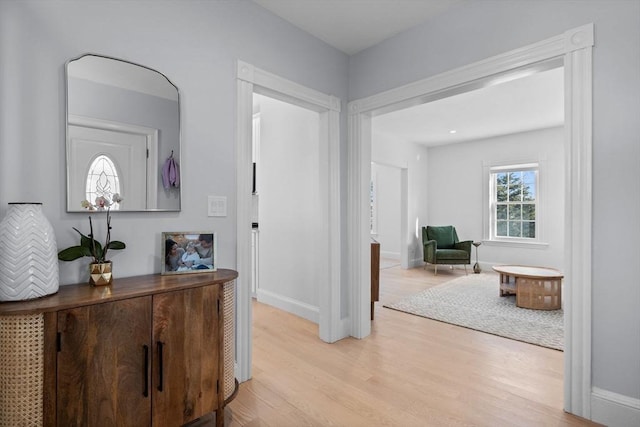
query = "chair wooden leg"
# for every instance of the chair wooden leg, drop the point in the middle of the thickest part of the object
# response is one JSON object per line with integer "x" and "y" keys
{"x": 465, "y": 270}
{"x": 435, "y": 269}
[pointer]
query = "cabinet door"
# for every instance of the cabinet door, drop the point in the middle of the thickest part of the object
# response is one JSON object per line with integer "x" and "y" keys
{"x": 103, "y": 364}
{"x": 186, "y": 365}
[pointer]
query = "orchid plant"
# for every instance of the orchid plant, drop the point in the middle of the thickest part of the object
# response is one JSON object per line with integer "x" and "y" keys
{"x": 89, "y": 247}
{"x": 102, "y": 203}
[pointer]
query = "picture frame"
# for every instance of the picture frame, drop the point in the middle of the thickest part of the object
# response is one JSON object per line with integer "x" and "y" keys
{"x": 185, "y": 252}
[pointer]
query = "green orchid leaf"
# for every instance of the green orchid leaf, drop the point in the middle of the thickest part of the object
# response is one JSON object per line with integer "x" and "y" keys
{"x": 73, "y": 253}
{"x": 90, "y": 247}
{"x": 115, "y": 244}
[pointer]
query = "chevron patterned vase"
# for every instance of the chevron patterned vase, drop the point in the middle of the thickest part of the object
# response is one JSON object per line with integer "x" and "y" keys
{"x": 28, "y": 254}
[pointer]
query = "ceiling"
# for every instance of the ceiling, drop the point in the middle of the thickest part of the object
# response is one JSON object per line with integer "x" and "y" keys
{"x": 354, "y": 25}
{"x": 524, "y": 104}
{"x": 532, "y": 102}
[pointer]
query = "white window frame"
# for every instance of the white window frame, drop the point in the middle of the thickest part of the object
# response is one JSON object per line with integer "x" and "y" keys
{"x": 489, "y": 214}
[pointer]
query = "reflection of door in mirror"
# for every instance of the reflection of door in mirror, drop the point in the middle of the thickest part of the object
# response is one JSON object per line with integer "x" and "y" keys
{"x": 127, "y": 151}
{"x": 115, "y": 107}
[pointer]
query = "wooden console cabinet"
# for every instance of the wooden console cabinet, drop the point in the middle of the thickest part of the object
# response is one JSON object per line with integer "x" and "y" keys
{"x": 375, "y": 275}
{"x": 146, "y": 351}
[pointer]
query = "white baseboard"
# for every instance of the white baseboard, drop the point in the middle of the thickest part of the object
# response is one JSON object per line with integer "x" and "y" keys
{"x": 613, "y": 409}
{"x": 416, "y": 262}
{"x": 289, "y": 305}
{"x": 392, "y": 255}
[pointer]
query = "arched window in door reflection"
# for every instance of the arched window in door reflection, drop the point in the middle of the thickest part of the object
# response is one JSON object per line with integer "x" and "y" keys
{"x": 103, "y": 180}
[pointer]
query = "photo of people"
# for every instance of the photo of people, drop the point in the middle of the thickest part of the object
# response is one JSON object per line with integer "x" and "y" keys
{"x": 187, "y": 252}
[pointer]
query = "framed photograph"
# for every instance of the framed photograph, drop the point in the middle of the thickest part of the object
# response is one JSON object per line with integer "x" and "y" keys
{"x": 189, "y": 252}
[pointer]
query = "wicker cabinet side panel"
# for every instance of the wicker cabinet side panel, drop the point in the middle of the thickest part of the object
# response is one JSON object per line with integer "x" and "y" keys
{"x": 21, "y": 370}
{"x": 229, "y": 339}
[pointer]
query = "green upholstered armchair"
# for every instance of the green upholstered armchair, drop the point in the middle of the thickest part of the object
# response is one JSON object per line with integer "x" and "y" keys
{"x": 441, "y": 246}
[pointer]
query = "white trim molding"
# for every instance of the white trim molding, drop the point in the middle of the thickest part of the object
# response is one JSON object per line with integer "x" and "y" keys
{"x": 542, "y": 212}
{"x": 358, "y": 256}
{"x": 250, "y": 80}
{"x": 578, "y": 221}
{"x": 613, "y": 409}
{"x": 244, "y": 314}
{"x": 290, "y": 305}
{"x": 573, "y": 49}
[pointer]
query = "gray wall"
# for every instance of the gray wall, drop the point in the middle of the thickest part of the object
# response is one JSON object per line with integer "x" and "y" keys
{"x": 456, "y": 185}
{"x": 389, "y": 150}
{"x": 290, "y": 208}
{"x": 479, "y": 29}
{"x": 388, "y": 191}
{"x": 196, "y": 45}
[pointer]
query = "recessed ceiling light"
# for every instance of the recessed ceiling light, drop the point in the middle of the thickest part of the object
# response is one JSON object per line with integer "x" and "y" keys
{"x": 453, "y": 131}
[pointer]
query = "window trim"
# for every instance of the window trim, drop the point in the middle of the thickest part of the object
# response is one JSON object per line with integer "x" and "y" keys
{"x": 489, "y": 237}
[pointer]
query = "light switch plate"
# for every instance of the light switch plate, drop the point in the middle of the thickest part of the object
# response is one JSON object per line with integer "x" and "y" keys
{"x": 217, "y": 205}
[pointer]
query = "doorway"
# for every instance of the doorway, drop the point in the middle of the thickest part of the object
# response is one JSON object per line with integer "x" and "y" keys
{"x": 331, "y": 303}
{"x": 389, "y": 219}
{"x": 286, "y": 206}
{"x": 574, "y": 47}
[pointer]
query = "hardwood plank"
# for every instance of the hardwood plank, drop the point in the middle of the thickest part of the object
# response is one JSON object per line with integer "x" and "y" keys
{"x": 410, "y": 371}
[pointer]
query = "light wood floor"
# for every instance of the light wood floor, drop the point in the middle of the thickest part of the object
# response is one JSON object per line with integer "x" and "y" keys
{"x": 410, "y": 371}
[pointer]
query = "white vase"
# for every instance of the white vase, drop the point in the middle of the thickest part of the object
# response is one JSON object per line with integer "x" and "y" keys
{"x": 28, "y": 254}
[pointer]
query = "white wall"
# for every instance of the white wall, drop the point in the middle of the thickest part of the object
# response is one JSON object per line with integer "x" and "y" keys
{"x": 456, "y": 185}
{"x": 475, "y": 30}
{"x": 388, "y": 184}
{"x": 289, "y": 211}
{"x": 196, "y": 45}
{"x": 389, "y": 150}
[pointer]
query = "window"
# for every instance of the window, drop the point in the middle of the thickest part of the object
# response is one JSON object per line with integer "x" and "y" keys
{"x": 102, "y": 180}
{"x": 514, "y": 202}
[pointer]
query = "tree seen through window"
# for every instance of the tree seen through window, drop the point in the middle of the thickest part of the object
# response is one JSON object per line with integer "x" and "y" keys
{"x": 515, "y": 204}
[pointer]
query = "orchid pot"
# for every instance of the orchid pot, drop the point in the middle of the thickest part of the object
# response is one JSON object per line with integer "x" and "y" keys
{"x": 100, "y": 273}
{"x": 100, "y": 269}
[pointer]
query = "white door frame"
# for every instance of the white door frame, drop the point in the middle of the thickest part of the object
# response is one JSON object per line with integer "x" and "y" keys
{"x": 575, "y": 48}
{"x": 404, "y": 237}
{"x": 251, "y": 79}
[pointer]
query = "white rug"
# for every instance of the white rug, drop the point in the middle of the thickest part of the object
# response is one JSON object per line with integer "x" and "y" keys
{"x": 474, "y": 302}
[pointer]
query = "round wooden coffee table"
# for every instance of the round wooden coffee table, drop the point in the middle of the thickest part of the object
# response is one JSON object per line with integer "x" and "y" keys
{"x": 538, "y": 288}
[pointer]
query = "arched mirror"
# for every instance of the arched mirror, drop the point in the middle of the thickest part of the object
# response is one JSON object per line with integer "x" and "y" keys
{"x": 123, "y": 137}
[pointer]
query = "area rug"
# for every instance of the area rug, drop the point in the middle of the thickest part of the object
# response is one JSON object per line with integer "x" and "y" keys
{"x": 474, "y": 302}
